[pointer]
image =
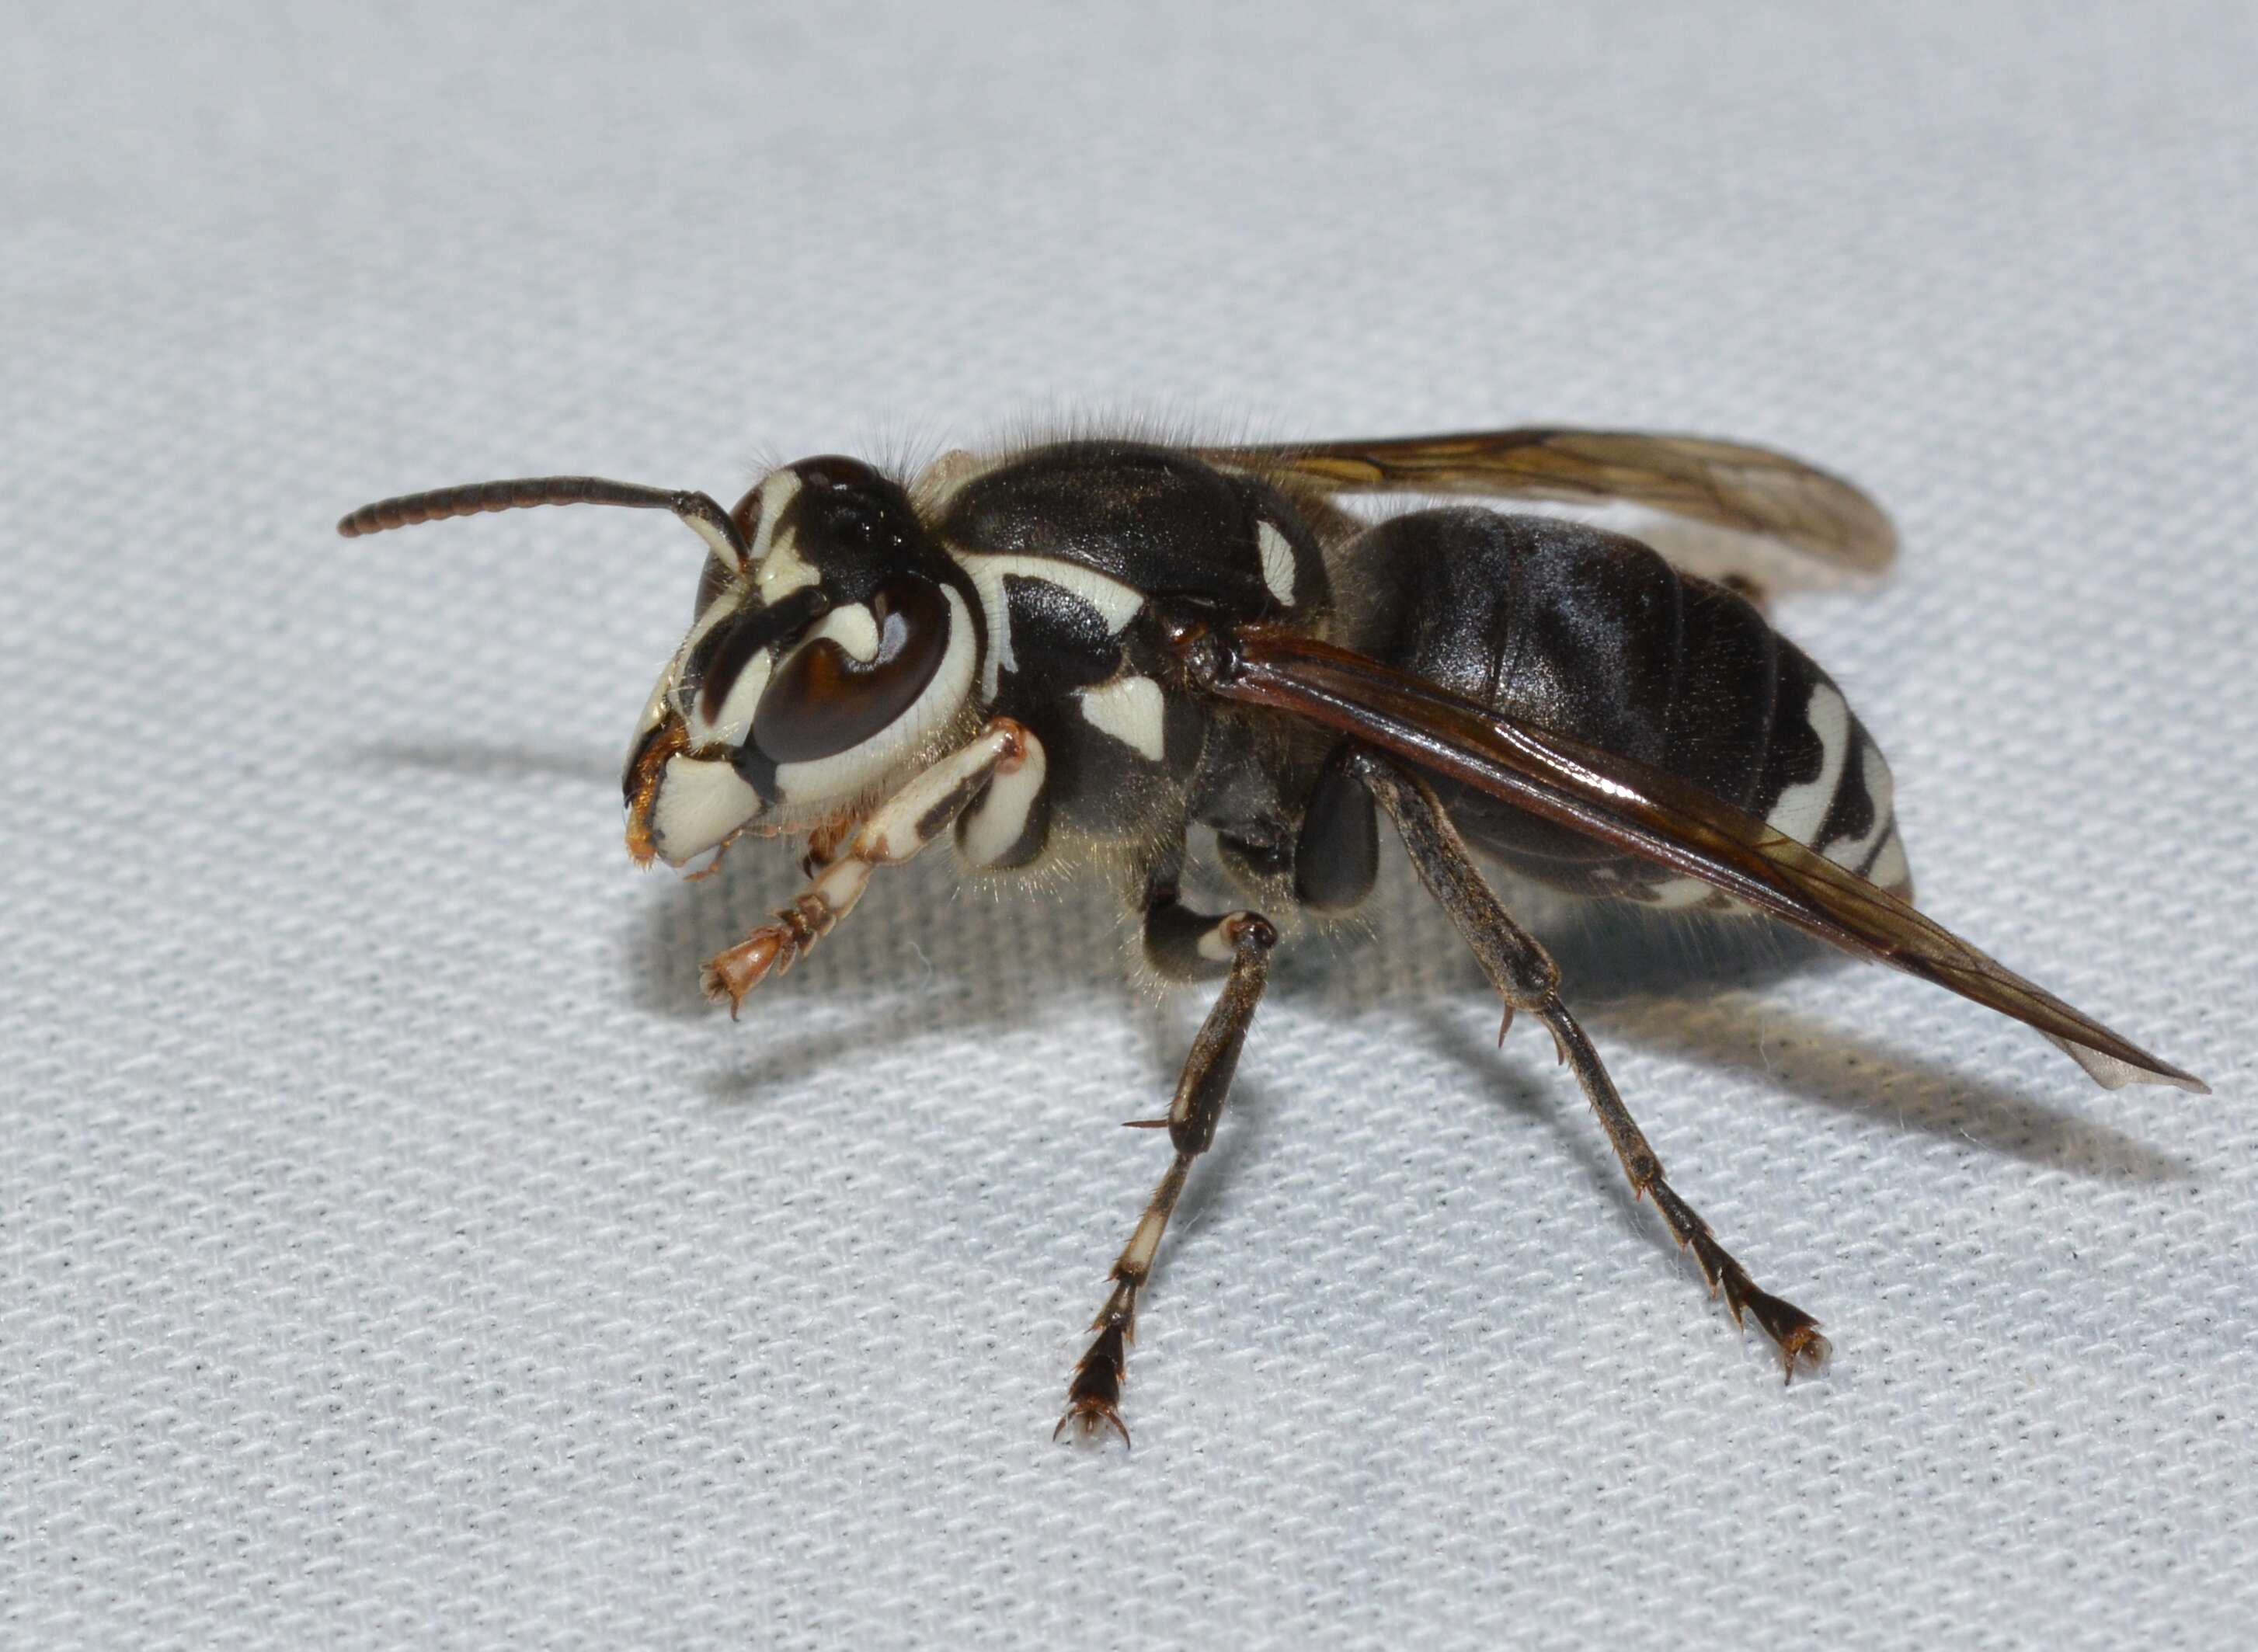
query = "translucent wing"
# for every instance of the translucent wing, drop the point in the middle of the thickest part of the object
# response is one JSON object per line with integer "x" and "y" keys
{"x": 1830, "y": 526}
{"x": 1644, "y": 810}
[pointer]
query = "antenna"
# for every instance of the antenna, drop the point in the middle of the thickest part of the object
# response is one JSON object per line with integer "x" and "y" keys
{"x": 707, "y": 519}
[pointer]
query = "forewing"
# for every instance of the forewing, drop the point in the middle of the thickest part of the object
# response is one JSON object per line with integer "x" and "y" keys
{"x": 1645, "y": 812}
{"x": 1822, "y": 519}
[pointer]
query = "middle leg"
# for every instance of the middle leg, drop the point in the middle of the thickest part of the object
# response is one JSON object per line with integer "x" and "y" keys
{"x": 1184, "y": 946}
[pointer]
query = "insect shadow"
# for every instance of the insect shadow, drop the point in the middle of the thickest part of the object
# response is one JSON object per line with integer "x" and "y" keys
{"x": 996, "y": 960}
{"x": 1657, "y": 981}
{"x": 1648, "y": 980}
{"x": 947, "y": 960}
{"x": 495, "y": 760}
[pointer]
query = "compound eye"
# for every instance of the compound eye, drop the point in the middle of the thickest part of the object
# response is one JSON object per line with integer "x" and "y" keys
{"x": 824, "y": 700}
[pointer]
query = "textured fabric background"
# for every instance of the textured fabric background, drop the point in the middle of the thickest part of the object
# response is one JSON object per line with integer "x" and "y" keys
{"x": 397, "y": 1251}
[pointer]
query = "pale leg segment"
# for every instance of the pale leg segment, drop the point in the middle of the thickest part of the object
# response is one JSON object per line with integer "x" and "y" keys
{"x": 1094, "y": 1397}
{"x": 895, "y": 831}
{"x": 1526, "y": 978}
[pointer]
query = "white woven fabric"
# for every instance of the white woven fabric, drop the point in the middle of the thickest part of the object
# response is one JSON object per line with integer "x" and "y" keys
{"x": 398, "y": 1253}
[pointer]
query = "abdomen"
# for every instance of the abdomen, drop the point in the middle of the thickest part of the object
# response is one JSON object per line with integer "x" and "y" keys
{"x": 1595, "y": 636}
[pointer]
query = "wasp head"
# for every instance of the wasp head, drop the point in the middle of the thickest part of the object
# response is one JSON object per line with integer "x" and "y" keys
{"x": 832, "y": 648}
{"x": 828, "y": 655}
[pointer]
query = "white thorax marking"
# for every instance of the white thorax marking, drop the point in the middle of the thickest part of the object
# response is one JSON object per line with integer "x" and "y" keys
{"x": 1132, "y": 711}
{"x": 1277, "y": 562}
{"x": 1117, "y": 603}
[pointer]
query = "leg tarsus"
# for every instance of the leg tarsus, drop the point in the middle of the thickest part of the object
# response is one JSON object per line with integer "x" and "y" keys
{"x": 1093, "y": 1399}
{"x": 1792, "y": 1331}
{"x": 771, "y": 950}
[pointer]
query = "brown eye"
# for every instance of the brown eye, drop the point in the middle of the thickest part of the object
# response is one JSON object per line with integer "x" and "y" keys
{"x": 729, "y": 646}
{"x": 823, "y": 700}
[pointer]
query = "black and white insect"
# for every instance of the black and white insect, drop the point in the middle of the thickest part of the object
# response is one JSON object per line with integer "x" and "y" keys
{"x": 1087, "y": 648}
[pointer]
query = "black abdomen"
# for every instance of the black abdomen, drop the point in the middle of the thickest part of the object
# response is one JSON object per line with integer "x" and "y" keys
{"x": 1593, "y": 635}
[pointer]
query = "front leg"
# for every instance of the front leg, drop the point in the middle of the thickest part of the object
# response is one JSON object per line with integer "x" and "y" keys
{"x": 1185, "y": 946}
{"x": 895, "y": 831}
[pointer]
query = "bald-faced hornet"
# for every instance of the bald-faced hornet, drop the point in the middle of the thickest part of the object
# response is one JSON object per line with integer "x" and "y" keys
{"x": 1091, "y": 647}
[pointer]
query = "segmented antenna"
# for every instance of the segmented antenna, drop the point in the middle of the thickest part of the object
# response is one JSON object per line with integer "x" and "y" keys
{"x": 708, "y": 519}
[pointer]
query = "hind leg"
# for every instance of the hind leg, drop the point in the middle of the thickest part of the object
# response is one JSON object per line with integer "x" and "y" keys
{"x": 1527, "y": 979}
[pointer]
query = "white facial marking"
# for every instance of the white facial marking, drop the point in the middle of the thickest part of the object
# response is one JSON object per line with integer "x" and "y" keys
{"x": 721, "y": 608}
{"x": 809, "y": 786}
{"x": 777, "y": 566}
{"x": 994, "y": 826}
{"x": 1852, "y": 852}
{"x": 655, "y": 707}
{"x": 716, "y": 611}
{"x": 699, "y": 802}
{"x": 734, "y": 718}
{"x": 784, "y": 571}
{"x": 778, "y": 489}
{"x": 1117, "y": 604}
{"x": 1132, "y": 711}
{"x": 1801, "y": 810}
{"x": 853, "y": 628}
{"x": 1277, "y": 562}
